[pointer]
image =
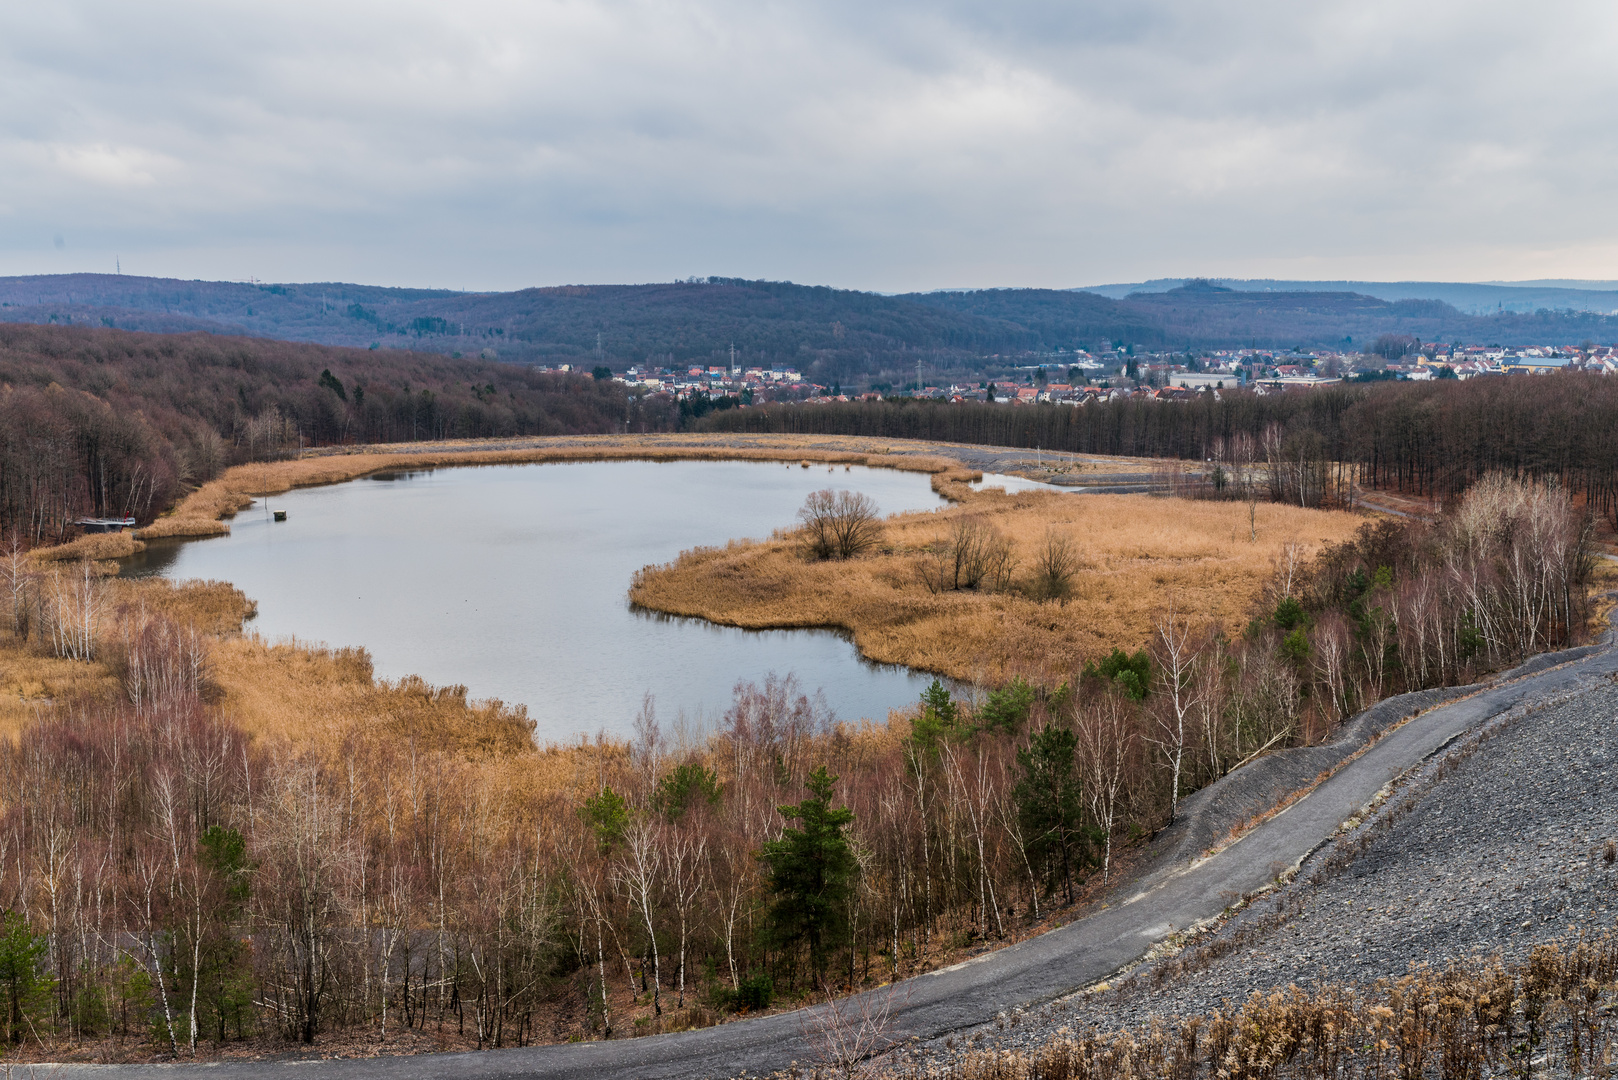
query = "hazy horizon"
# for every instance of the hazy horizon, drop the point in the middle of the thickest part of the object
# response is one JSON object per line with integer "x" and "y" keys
{"x": 1588, "y": 284}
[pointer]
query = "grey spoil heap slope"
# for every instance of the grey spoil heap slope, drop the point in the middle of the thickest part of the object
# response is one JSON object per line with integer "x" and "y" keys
{"x": 1174, "y": 894}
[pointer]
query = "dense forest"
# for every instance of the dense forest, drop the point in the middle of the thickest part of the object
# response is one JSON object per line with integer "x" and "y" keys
{"x": 834, "y": 335}
{"x": 174, "y": 884}
{"x": 97, "y": 422}
{"x": 1429, "y": 438}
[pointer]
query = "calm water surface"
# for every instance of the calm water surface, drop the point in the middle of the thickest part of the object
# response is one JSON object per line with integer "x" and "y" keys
{"x": 513, "y": 581}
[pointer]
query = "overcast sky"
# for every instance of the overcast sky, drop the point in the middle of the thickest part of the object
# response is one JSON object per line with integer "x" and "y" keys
{"x": 870, "y": 144}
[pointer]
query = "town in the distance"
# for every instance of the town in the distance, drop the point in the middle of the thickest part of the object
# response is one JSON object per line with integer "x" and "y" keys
{"x": 1082, "y": 376}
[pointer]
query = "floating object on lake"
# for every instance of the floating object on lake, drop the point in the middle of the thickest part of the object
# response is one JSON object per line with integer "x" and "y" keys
{"x": 280, "y": 515}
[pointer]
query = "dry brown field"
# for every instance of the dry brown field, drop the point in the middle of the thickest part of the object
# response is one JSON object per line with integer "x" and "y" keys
{"x": 1136, "y": 556}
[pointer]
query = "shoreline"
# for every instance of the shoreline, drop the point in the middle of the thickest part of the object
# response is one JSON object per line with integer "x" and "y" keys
{"x": 203, "y": 512}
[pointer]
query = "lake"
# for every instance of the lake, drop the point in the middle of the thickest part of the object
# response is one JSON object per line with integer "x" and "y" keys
{"x": 513, "y": 581}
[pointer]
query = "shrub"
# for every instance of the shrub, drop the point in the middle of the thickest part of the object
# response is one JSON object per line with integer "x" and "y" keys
{"x": 25, "y": 987}
{"x": 1008, "y": 707}
{"x": 752, "y": 995}
{"x": 1053, "y": 568}
{"x": 1133, "y": 674}
{"x": 684, "y": 786}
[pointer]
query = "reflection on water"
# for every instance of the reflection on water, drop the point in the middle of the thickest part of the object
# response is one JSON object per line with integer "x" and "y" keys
{"x": 512, "y": 580}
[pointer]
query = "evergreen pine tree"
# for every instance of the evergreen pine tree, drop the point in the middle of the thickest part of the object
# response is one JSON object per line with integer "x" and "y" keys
{"x": 812, "y": 871}
{"x": 1049, "y": 806}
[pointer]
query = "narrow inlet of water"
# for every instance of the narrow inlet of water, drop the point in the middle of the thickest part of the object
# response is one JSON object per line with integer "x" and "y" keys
{"x": 513, "y": 581}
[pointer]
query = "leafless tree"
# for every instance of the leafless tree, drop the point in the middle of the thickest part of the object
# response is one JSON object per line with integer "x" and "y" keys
{"x": 687, "y": 851}
{"x": 647, "y": 748}
{"x": 17, "y": 578}
{"x": 640, "y": 872}
{"x": 1289, "y": 565}
{"x": 1210, "y": 705}
{"x": 980, "y": 785}
{"x": 1244, "y": 455}
{"x": 1106, "y": 743}
{"x": 839, "y": 525}
{"x": 974, "y": 555}
{"x": 73, "y": 612}
{"x": 1176, "y": 669}
{"x": 1332, "y": 640}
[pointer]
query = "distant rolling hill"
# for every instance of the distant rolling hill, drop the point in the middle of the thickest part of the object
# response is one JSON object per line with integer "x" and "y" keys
{"x": 1471, "y": 298}
{"x": 1202, "y": 311}
{"x": 834, "y": 335}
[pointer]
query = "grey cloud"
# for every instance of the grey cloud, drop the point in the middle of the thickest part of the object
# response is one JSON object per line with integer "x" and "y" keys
{"x": 880, "y": 145}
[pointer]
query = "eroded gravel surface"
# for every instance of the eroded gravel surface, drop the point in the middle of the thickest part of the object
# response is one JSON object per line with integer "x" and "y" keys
{"x": 1494, "y": 846}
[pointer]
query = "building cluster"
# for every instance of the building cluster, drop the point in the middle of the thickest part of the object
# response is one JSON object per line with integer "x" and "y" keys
{"x": 1080, "y": 377}
{"x": 778, "y": 382}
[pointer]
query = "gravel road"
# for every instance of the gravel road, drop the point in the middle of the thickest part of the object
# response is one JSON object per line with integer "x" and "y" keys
{"x": 1494, "y": 846}
{"x": 1042, "y": 970}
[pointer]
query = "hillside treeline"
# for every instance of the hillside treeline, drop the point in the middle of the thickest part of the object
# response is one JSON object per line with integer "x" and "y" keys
{"x": 169, "y": 882}
{"x": 110, "y": 423}
{"x": 834, "y": 335}
{"x": 1429, "y": 438}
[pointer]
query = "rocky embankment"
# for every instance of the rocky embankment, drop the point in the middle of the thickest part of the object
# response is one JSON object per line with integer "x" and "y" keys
{"x": 1505, "y": 840}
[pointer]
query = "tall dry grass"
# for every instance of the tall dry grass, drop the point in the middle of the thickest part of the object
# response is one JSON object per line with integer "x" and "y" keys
{"x": 1550, "y": 1015}
{"x": 1131, "y": 555}
{"x": 93, "y": 546}
{"x": 36, "y": 685}
{"x": 304, "y": 697}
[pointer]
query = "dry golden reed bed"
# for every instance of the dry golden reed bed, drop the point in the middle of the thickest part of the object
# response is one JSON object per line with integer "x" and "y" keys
{"x": 1135, "y": 554}
{"x": 201, "y": 513}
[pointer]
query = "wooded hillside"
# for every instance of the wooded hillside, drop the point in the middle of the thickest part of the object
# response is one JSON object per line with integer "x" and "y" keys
{"x": 105, "y": 422}
{"x": 833, "y": 335}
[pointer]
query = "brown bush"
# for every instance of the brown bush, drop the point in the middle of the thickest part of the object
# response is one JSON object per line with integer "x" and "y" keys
{"x": 1055, "y": 563}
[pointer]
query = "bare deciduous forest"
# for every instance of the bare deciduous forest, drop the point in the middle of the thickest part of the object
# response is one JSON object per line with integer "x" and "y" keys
{"x": 1431, "y": 438}
{"x": 111, "y": 423}
{"x": 176, "y": 885}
